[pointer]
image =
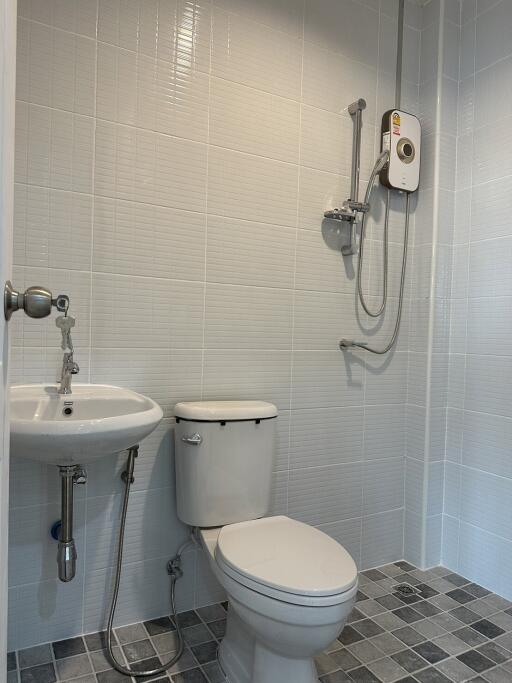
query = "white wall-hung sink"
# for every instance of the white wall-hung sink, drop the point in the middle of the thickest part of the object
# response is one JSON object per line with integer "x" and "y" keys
{"x": 66, "y": 429}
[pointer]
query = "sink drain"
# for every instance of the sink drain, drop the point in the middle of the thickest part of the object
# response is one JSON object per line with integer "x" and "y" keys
{"x": 406, "y": 589}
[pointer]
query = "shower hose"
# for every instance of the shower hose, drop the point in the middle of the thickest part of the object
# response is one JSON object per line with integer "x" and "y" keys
{"x": 173, "y": 569}
{"x": 379, "y": 164}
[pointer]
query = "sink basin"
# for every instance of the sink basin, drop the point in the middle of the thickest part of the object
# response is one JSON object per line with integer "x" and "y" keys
{"x": 62, "y": 429}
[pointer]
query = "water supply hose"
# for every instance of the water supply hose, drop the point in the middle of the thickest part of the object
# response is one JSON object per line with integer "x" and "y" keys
{"x": 346, "y": 344}
{"x": 379, "y": 164}
{"x": 173, "y": 568}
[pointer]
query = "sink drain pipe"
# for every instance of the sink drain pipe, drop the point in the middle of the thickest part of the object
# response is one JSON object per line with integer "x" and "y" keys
{"x": 173, "y": 569}
{"x": 66, "y": 552}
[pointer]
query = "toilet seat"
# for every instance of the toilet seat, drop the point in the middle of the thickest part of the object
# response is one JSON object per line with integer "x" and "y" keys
{"x": 286, "y": 560}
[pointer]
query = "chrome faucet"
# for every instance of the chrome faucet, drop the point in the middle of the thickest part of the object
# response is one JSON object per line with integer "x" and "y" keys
{"x": 69, "y": 368}
{"x": 65, "y": 323}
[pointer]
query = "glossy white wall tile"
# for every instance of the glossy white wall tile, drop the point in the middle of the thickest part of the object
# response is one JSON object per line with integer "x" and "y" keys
{"x": 173, "y": 163}
{"x": 476, "y": 535}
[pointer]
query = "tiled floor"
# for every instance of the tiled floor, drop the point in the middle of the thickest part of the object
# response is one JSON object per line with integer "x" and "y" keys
{"x": 452, "y": 631}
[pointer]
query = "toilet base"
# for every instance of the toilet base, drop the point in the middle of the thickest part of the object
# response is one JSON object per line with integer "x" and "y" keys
{"x": 246, "y": 660}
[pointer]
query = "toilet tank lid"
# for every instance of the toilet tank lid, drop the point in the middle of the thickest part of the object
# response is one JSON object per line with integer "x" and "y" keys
{"x": 224, "y": 411}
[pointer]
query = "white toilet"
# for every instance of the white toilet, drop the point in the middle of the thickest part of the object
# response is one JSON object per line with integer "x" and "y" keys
{"x": 290, "y": 586}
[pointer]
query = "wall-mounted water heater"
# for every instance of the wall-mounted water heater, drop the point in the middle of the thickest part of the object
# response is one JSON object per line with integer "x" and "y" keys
{"x": 401, "y": 136}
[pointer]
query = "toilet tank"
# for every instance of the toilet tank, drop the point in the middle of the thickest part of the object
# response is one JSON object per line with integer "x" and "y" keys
{"x": 224, "y": 460}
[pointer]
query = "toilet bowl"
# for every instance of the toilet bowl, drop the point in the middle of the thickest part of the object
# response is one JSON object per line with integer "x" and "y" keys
{"x": 290, "y": 586}
{"x": 290, "y": 589}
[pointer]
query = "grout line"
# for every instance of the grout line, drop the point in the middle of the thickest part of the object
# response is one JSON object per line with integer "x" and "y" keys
{"x": 295, "y": 252}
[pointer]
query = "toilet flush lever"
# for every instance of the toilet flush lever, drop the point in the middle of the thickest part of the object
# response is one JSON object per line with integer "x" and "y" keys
{"x": 195, "y": 439}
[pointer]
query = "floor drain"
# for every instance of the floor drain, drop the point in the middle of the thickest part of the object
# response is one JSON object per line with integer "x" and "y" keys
{"x": 406, "y": 589}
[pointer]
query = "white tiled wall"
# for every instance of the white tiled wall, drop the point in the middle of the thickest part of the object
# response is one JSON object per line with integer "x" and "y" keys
{"x": 477, "y": 534}
{"x": 431, "y": 284}
{"x": 174, "y": 159}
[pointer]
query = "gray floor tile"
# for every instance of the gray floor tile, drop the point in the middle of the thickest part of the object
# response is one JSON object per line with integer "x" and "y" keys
{"x": 409, "y": 660}
{"x": 488, "y": 628}
{"x": 68, "y": 647}
{"x": 360, "y": 675}
{"x": 498, "y": 602}
{"x": 111, "y": 676}
{"x": 455, "y": 670}
{"x": 42, "y": 673}
{"x": 505, "y": 641}
{"x": 387, "y": 670}
{"x": 186, "y": 661}
{"x": 391, "y": 570}
{"x": 345, "y": 659}
{"x": 165, "y": 642}
{"x": 482, "y": 608}
{"x": 497, "y": 675}
{"x": 476, "y": 661}
{"x": 11, "y": 661}
{"x": 408, "y": 635}
{"x": 40, "y": 654}
{"x": 446, "y": 621}
{"x": 214, "y": 673}
{"x": 365, "y": 651}
{"x": 336, "y": 677}
{"x": 100, "y": 661}
{"x": 375, "y": 590}
{"x": 503, "y": 620}
{"x": 387, "y": 643}
{"x": 388, "y": 621}
{"x": 73, "y": 667}
{"x": 195, "y": 635}
{"x": 382, "y": 643}
{"x": 431, "y": 652}
{"x": 218, "y": 628}
{"x": 429, "y": 629}
{"x": 431, "y": 675}
{"x": 325, "y": 664}
{"x": 370, "y": 608}
{"x": 495, "y": 652}
{"x": 465, "y": 615}
{"x": 97, "y": 641}
{"x": 190, "y": 618}
{"x": 190, "y": 676}
{"x": 131, "y": 633}
{"x": 444, "y": 602}
{"x": 211, "y": 613}
{"x": 206, "y": 652}
{"x": 141, "y": 649}
{"x": 470, "y": 636}
{"x": 451, "y": 644}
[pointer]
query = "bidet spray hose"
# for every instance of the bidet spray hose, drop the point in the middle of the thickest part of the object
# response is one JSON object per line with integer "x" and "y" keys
{"x": 128, "y": 480}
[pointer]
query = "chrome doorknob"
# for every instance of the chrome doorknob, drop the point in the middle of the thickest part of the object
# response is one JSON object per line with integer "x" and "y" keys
{"x": 37, "y": 302}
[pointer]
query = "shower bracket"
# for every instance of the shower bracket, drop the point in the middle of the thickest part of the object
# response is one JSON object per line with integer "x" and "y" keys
{"x": 352, "y": 207}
